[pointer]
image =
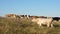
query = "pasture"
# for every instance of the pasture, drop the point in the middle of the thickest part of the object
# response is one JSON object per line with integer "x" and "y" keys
{"x": 25, "y": 26}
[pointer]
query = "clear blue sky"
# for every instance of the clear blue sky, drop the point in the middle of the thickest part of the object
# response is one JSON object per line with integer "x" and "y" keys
{"x": 30, "y": 7}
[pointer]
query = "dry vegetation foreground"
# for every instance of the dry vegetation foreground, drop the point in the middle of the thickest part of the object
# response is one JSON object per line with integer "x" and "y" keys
{"x": 25, "y": 26}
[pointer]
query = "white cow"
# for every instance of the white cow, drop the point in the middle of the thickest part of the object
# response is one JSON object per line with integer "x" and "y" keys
{"x": 44, "y": 21}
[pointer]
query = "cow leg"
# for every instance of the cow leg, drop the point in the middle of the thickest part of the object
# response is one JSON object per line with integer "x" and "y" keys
{"x": 40, "y": 24}
{"x": 52, "y": 25}
{"x": 48, "y": 25}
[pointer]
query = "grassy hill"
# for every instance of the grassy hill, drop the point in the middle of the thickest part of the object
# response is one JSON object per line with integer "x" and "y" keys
{"x": 25, "y": 26}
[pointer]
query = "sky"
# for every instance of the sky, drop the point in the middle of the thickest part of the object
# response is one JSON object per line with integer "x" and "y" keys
{"x": 30, "y": 7}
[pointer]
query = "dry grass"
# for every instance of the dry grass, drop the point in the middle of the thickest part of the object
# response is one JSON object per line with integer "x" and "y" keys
{"x": 25, "y": 26}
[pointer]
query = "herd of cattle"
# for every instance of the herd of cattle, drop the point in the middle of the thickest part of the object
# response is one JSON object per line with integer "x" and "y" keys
{"x": 40, "y": 20}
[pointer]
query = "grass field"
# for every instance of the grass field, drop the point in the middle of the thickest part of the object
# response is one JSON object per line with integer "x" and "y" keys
{"x": 25, "y": 26}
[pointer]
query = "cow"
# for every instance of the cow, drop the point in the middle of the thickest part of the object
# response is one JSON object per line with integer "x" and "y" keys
{"x": 11, "y": 15}
{"x": 56, "y": 18}
{"x": 43, "y": 21}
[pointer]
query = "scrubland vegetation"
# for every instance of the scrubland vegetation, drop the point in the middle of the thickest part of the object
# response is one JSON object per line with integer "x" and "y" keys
{"x": 25, "y": 26}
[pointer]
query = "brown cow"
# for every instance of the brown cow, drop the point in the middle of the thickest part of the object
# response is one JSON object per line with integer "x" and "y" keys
{"x": 11, "y": 15}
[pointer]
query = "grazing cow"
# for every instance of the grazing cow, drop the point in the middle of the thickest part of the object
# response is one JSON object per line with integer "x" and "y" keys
{"x": 43, "y": 21}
